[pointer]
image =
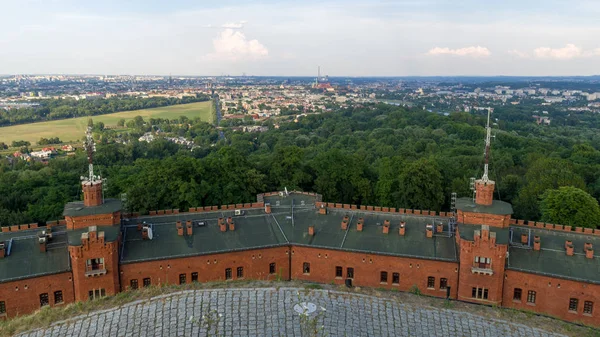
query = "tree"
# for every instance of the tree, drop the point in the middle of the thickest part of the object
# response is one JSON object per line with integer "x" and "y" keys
{"x": 121, "y": 122}
{"x": 570, "y": 206}
{"x": 421, "y": 186}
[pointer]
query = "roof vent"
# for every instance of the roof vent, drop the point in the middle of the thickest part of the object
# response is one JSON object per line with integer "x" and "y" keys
{"x": 2, "y": 249}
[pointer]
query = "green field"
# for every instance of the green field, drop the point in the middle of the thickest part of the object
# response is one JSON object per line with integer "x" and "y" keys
{"x": 69, "y": 130}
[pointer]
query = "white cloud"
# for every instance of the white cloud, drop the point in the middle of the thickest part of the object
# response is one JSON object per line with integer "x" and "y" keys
{"x": 234, "y": 25}
{"x": 467, "y": 51}
{"x": 234, "y": 46}
{"x": 569, "y": 51}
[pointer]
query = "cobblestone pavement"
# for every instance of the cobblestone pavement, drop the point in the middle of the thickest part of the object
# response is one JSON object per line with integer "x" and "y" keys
{"x": 270, "y": 312}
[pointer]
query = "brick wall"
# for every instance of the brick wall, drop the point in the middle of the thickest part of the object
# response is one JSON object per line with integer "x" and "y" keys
{"x": 493, "y": 220}
{"x": 211, "y": 267}
{"x": 552, "y": 296}
{"x": 368, "y": 268}
{"x": 78, "y": 222}
{"x": 93, "y": 248}
{"x": 23, "y": 297}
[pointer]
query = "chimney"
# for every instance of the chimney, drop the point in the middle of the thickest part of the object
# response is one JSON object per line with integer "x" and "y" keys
{"x": 268, "y": 208}
{"x": 440, "y": 228}
{"x": 322, "y": 209}
{"x": 567, "y": 243}
{"x": 359, "y": 225}
{"x": 536, "y": 243}
{"x": 42, "y": 240}
{"x": 524, "y": 238}
{"x": 145, "y": 233}
{"x": 429, "y": 230}
{"x": 311, "y": 230}
{"x": 569, "y": 248}
{"x": 222, "y": 225}
{"x": 179, "y": 228}
{"x": 231, "y": 226}
{"x": 2, "y": 249}
{"x": 386, "y": 226}
{"x": 589, "y": 251}
{"x": 139, "y": 226}
{"x": 402, "y": 228}
{"x": 344, "y": 224}
{"x": 188, "y": 227}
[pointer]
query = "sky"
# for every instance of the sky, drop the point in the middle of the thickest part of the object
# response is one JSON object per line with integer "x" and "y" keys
{"x": 292, "y": 38}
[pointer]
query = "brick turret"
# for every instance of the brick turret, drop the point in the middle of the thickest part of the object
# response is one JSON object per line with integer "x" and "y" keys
{"x": 92, "y": 193}
{"x": 484, "y": 192}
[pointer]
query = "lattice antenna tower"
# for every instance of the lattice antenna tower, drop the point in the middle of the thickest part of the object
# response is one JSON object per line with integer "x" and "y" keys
{"x": 486, "y": 153}
{"x": 453, "y": 201}
{"x": 90, "y": 148}
{"x": 472, "y": 187}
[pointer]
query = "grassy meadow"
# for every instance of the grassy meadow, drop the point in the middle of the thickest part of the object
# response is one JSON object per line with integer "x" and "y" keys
{"x": 73, "y": 129}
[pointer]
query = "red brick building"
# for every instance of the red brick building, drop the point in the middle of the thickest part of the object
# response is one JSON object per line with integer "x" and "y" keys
{"x": 476, "y": 253}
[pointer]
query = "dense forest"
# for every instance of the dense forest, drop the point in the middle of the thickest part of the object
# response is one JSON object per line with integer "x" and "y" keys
{"x": 51, "y": 109}
{"x": 370, "y": 155}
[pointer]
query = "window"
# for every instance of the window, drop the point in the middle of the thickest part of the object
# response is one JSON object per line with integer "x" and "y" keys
{"x": 306, "y": 268}
{"x": 383, "y": 277}
{"x": 2, "y": 308}
{"x": 588, "y": 307}
{"x": 443, "y": 283}
{"x": 339, "y": 271}
{"x": 133, "y": 284}
{"x": 58, "y": 297}
{"x": 194, "y": 277}
{"x": 431, "y": 282}
{"x": 147, "y": 282}
{"x": 395, "y": 278}
{"x": 350, "y": 272}
{"x": 272, "y": 268}
{"x": 228, "y": 274}
{"x": 483, "y": 262}
{"x": 531, "y": 297}
{"x": 479, "y": 293}
{"x": 44, "y": 299}
{"x": 96, "y": 293}
{"x": 573, "y": 304}
{"x": 182, "y": 279}
{"x": 240, "y": 272}
{"x": 517, "y": 294}
{"x": 94, "y": 264}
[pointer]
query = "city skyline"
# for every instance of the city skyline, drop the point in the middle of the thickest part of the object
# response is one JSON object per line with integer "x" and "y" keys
{"x": 357, "y": 38}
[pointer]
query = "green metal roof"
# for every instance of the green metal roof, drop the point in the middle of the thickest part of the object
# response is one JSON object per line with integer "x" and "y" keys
{"x": 111, "y": 233}
{"x": 497, "y": 207}
{"x": 552, "y": 259}
{"x": 467, "y": 232}
{"x": 291, "y": 216}
{"x": 26, "y": 260}
{"x": 77, "y": 208}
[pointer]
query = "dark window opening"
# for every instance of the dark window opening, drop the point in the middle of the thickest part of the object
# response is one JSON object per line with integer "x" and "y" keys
{"x": 339, "y": 271}
{"x": 306, "y": 268}
{"x": 194, "y": 277}
{"x": 443, "y": 283}
{"x": 2, "y": 307}
{"x": 383, "y": 277}
{"x": 96, "y": 293}
{"x": 133, "y": 284}
{"x": 94, "y": 264}
{"x": 430, "y": 282}
{"x": 147, "y": 282}
{"x": 44, "y": 299}
{"x": 272, "y": 268}
{"x": 58, "y": 297}
{"x": 228, "y": 274}
{"x": 395, "y": 278}
{"x": 240, "y": 272}
{"x": 182, "y": 279}
{"x": 517, "y": 294}
{"x": 350, "y": 272}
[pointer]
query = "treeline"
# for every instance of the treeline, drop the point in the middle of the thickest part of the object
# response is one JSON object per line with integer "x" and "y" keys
{"x": 371, "y": 155}
{"x": 68, "y": 108}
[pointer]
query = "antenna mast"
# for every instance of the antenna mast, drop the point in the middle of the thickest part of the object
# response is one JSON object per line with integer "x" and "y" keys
{"x": 90, "y": 148}
{"x": 488, "y": 137}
